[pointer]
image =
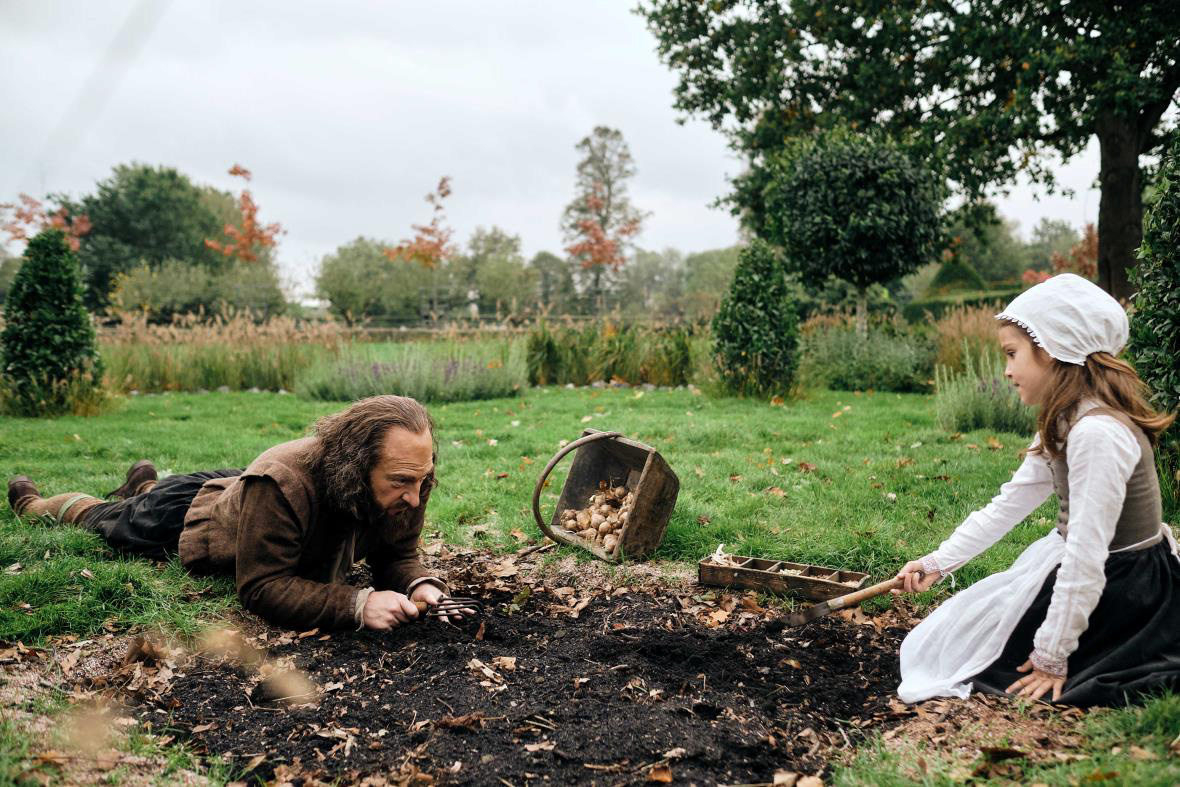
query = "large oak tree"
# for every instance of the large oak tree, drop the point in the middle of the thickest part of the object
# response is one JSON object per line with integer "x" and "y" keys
{"x": 988, "y": 89}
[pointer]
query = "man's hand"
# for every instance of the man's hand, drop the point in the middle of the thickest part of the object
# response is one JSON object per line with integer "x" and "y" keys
{"x": 915, "y": 580}
{"x": 432, "y": 594}
{"x": 1037, "y": 684}
{"x": 386, "y": 609}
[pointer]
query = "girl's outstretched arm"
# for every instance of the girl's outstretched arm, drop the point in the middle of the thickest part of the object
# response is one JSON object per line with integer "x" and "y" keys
{"x": 1030, "y": 485}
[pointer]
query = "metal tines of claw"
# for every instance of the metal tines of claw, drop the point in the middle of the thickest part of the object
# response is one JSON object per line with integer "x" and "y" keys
{"x": 450, "y": 607}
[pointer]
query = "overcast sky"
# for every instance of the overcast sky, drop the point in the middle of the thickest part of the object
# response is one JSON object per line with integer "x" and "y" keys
{"x": 349, "y": 112}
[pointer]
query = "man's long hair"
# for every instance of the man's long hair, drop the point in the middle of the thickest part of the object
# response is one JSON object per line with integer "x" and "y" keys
{"x": 348, "y": 447}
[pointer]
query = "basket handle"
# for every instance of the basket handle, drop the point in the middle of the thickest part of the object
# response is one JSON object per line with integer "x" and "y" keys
{"x": 590, "y": 438}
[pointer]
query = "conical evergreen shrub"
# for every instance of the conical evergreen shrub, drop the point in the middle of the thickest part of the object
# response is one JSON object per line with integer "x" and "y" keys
{"x": 756, "y": 330}
{"x": 49, "y": 363}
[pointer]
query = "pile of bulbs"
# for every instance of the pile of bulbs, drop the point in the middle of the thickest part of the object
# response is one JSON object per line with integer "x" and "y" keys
{"x": 603, "y": 520}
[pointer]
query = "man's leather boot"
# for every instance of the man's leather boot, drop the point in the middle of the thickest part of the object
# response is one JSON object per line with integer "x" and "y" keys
{"x": 142, "y": 472}
{"x": 20, "y": 488}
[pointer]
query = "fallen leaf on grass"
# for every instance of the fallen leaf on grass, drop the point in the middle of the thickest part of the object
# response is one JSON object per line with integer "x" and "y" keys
{"x": 807, "y": 467}
{"x": 69, "y": 661}
{"x": 86, "y": 573}
{"x": 15, "y": 568}
{"x": 776, "y": 491}
{"x": 506, "y": 568}
{"x": 993, "y": 444}
{"x": 518, "y": 534}
{"x": 735, "y": 478}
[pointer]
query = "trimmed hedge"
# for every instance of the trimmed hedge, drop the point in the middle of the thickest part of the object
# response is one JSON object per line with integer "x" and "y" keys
{"x": 915, "y": 311}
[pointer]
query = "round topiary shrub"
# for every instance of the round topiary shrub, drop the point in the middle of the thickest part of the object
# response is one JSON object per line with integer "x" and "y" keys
{"x": 48, "y": 360}
{"x": 855, "y": 206}
{"x": 1155, "y": 321}
{"x": 756, "y": 330}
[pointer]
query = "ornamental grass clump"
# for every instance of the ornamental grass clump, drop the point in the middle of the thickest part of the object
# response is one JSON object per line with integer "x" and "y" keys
{"x": 437, "y": 372}
{"x": 611, "y": 351}
{"x": 980, "y": 397}
{"x": 230, "y": 350}
{"x": 889, "y": 357}
{"x": 49, "y": 364}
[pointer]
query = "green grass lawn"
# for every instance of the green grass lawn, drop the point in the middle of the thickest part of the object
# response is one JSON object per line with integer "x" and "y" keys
{"x": 858, "y": 481}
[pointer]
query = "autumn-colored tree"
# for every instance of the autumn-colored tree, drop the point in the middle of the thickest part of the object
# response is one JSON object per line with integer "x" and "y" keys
{"x": 431, "y": 244}
{"x": 29, "y": 216}
{"x": 1083, "y": 257}
{"x": 244, "y": 243}
{"x": 1082, "y": 260}
{"x": 601, "y": 222}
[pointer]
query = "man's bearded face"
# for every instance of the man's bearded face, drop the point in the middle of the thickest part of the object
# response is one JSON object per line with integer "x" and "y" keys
{"x": 406, "y": 460}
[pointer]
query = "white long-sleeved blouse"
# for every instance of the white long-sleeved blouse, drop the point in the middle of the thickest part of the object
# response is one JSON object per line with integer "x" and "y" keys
{"x": 1101, "y": 454}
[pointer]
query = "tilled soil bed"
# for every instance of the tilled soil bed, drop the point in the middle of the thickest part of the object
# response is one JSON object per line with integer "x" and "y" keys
{"x": 625, "y": 687}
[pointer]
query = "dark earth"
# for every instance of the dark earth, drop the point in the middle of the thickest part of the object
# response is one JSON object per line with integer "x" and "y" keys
{"x": 640, "y": 686}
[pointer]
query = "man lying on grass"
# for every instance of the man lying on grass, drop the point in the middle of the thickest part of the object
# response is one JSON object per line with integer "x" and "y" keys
{"x": 289, "y": 526}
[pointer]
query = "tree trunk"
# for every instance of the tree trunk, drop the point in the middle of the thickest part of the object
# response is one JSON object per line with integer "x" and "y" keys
{"x": 1120, "y": 209}
{"x": 862, "y": 312}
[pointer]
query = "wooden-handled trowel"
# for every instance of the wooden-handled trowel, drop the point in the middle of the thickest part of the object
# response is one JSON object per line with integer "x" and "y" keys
{"x": 840, "y": 602}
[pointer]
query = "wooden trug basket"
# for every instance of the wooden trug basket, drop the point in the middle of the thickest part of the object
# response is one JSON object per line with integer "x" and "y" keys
{"x": 610, "y": 457}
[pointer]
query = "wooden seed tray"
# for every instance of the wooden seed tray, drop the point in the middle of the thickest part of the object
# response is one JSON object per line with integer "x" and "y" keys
{"x": 815, "y": 583}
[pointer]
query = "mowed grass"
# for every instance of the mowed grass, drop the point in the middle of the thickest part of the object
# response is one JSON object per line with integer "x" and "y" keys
{"x": 863, "y": 482}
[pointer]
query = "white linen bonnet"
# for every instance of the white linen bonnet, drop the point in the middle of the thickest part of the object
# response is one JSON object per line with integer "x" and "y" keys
{"x": 1070, "y": 317}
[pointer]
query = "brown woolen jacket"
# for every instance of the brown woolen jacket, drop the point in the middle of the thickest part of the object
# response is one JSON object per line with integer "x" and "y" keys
{"x": 287, "y": 550}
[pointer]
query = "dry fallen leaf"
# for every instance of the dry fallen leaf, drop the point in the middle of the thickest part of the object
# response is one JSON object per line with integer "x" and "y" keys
{"x": 776, "y": 491}
{"x": 993, "y": 444}
{"x": 542, "y": 746}
{"x": 660, "y": 773}
{"x": 785, "y": 778}
{"x": 506, "y": 663}
{"x": 810, "y": 781}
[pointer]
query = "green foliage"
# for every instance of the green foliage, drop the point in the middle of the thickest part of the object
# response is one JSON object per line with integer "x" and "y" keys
{"x": 980, "y": 397}
{"x": 8, "y": 268}
{"x": 428, "y": 372}
{"x": 756, "y": 330}
{"x": 707, "y": 275}
{"x": 989, "y": 244}
{"x": 496, "y": 269}
{"x": 956, "y": 275}
{"x": 973, "y": 87}
{"x": 1155, "y": 322}
{"x": 852, "y": 206}
{"x": 555, "y": 283}
{"x": 147, "y": 215}
{"x": 1049, "y": 237}
{"x": 48, "y": 360}
{"x": 359, "y": 281}
{"x": 935, "y": 307}
{"x": 606, "y": 351}
{"x": 887, "y": 358}
{"x": 176, "y": 287}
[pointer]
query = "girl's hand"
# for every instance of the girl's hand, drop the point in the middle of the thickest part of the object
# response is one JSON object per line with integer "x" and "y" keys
{"x": 916, "y": 580}
{"x": 1035, "y": 685}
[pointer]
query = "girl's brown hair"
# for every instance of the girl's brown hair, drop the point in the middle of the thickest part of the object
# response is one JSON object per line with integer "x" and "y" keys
{"x": 1103, "y": 377}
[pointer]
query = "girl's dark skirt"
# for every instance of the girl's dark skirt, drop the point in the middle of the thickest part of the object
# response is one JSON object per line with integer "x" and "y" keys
{"x": 1131, "y": 645}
